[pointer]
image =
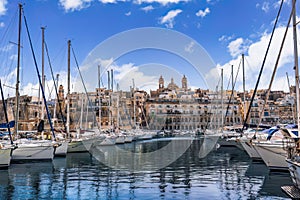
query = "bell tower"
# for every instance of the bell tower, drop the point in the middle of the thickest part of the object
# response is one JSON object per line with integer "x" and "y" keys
{"x": 184, "y": 82}
{"x": 61, "y": 92}
{"x": 161, "y": 82}
{"x": 61, "y": 95}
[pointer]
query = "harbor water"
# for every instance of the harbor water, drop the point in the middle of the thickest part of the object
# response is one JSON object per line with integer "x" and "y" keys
{"x": 224, "y": 173}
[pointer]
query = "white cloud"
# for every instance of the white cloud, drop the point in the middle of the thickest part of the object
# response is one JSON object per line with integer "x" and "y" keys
{"x": 277, "y": 4}
{"x": 13, "y": 57}
{"x": 72, "y": 5}
{"x": 112, "y": 1}
{"x": 10, "y": 80}
{"x": 254, "y": 55}
{"x": 203, "y": 13}
{"x": 125, "y": 74}
{"x": 128, "y": 13}
{"x": 265, "y": 7}
{"x": 163, "y": 2}
{"x": 168, "y": 19}
{"x": 2, "y": 24}
{"x": 96, "y": 62}
{"x": 89, "y": 73}
{"x": 238, "y": 46}
{"x": 147, "y": 8}
{"x": 7, "y": 48}
{"x": 108, "y": 1}
{"x": 225, "y": 38}
{"x": 123, "y": 70}
{"x": 190, "y": 47}
{"x": 3, "y": 8}
{"x": 31, "y": 89}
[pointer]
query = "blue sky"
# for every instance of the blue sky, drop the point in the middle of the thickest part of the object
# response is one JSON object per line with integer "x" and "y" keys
{"x": 224, "y": 29}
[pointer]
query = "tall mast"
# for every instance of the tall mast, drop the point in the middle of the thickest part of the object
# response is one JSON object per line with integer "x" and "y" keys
{"x": 18, "y": 72}
{"x": 244, "y": 88}
{"x": 81, "y": 112}
{"x": 112, "y": 89}
{"x": 109, "y": 101}
{"x": 87, "y": 112}
{"x": 134, "y": 117}
{"x": 112, "y": 80}
{"x": 118, "y": 114}
{"x": 108, "y": 80}
{"x": 43, "y": 70}
{"x": 217, "y": 111}
{"x": 296, "y": 64}
{"x": 99, "y": 91}
{"x": 232, "y": 82}
{"x": 68, "y": 90}
{"x": 222, "y": 120}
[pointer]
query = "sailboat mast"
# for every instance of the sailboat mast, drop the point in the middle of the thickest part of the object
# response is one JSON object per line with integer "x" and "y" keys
{"x": 87, "y": 112}
{"x": 244, "y": 88}
{"x": 296, "y": 64}
{"x": 18, "y": 72}
{"x": 112, "y": 80}
{"x": 232, "y": 81}
{"x": 99, "y": 91}
{"x": 68, "y": 90}
{"x": 81, "y": 112}
{"x": 43, "y": 70}
{"x": 222, "y": 120}
{"x": 118, "y": 111}
{"x": 109, "y": 100}
{"x": 134, "y": 117}
{"x": 112, "y": 90}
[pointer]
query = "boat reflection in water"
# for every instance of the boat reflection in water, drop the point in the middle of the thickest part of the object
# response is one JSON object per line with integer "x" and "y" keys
{"x": 144, "y": 155}
{"x": 225, "y": 173}
{"x": 269, "y": 182}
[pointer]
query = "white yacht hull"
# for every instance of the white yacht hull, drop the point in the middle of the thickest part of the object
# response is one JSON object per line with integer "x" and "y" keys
{"x": 230, "y": 142}
{"x": 146, "y": 136}
{"x": 88, "y": 142}
{"x": 83, "y": 144}
{"x": 62, "y": 149}
{"x": 5, "y": 157}
{"x": 120, "y": 140}
{"x": 128, "y": 138}
{"x": 33, "y": 151}
{"x": 273, "y": 155}
{"x": 107, "y": 141}
{"x": 76, "y": 146}
{"x": 249, "y": 148}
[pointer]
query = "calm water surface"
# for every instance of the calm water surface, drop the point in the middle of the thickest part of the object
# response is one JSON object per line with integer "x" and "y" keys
{"x": 225, "y": 173}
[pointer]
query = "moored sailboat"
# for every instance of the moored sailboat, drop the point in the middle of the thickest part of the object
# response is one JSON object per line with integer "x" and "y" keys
{"x": 5, "y": 147}
{"x": 5, "y": 155}
{"x": 293, "y": 148}
{"x": 31, "y": 149}
{"x": 272, "y": 151}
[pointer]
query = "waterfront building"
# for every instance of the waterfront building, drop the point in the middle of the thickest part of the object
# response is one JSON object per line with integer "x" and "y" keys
{"x": 177, "y": 108}
{"x": 169, "y": 107}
